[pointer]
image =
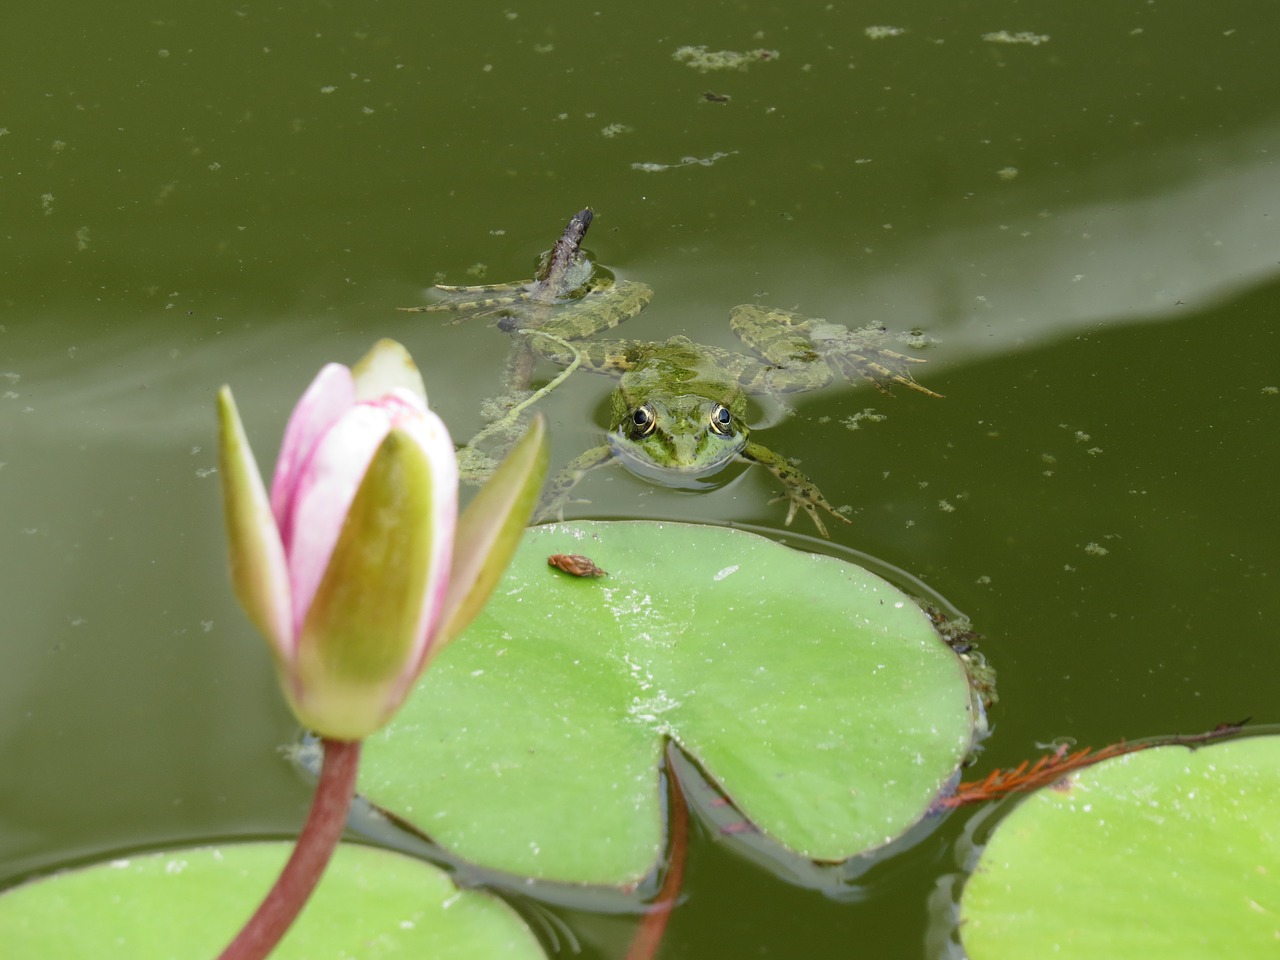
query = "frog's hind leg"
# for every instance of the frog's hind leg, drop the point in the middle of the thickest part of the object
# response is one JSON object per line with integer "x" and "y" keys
{"x": 516, "y": 286}
{"x": 474, "y": 302}
{"x": 791, "y": 361}
{"x": 792, "y": 341}
{"x": 860, "y": 354}
{"x": 603, "y": 306}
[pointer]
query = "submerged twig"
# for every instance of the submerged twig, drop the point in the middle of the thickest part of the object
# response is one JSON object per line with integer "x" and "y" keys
{"x": 508, "y": 422}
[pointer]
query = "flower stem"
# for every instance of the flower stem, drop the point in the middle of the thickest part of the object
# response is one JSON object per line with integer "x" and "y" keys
{"x": 316, "y": 843}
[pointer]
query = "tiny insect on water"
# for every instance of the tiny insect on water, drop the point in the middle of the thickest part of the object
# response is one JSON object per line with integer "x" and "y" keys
{"x": 575, "y": 565}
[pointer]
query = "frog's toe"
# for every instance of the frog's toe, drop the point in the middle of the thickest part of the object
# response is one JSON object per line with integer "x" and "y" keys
{"x": 817, "y": 522}
{"x": 812, "y": 511}
{"x": 792, "y": 505}
{"x": 911, "y": 383}
{"x": 549, "y": 509}
{"x": 882, "y": 369}
{"x": 549, "y": 514}
{"x": 811, "y": 508}
{"x": 882, "y": 376}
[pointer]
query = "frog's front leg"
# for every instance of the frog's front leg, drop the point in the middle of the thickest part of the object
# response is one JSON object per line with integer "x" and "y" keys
{"x": 556, "y": 495}
{"x": 800, "y": 490}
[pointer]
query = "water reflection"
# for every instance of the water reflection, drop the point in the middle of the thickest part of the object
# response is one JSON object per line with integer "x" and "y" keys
{"x": 1197, "y": 230}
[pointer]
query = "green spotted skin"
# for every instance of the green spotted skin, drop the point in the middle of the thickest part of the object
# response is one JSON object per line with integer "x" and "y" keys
{"x": 678, "y": 413}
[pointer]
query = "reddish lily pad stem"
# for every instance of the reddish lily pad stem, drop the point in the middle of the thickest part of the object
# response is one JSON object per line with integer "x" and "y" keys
{"x": 648, "y": 936}
{"x": 1054, "y": 767}
{"x": 316, "y": 843}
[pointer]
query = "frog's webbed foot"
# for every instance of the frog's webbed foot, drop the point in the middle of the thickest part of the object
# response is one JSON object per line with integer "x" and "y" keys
{"x": 862, "y": 353}
{"x": 478, "y": 302}
{"x": 556, "y": 493}
{"x": 809, "y": 497}
{"x": 799, "y": 490}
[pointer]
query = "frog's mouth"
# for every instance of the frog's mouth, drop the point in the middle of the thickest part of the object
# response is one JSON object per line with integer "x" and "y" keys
{"x": 684, "y": 465}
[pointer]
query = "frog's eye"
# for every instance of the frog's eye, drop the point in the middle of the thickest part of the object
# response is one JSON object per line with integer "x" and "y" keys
{"x": 721, "y": 420}
{"x": 643, "y": 420}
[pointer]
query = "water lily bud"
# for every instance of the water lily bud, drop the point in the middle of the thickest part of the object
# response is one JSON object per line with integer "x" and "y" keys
{"x": 345, "y": 566}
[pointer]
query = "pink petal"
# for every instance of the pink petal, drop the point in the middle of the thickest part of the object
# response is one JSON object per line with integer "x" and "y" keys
{"x": 331, "y": 394}
{"x": 322, "y": 495}
{"x": 384, "y": 368}
{"x": 433, "y": 437}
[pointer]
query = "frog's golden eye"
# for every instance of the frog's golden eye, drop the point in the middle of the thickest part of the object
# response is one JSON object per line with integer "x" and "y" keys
{"x": 643, "y": 421}
{"x": 721, "y": 420}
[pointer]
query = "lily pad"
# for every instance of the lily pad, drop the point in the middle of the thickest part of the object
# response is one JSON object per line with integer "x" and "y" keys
{"x": 1165, "y": 853}
{"x": 190, "y": 903}
{"x": 814, "y": 694}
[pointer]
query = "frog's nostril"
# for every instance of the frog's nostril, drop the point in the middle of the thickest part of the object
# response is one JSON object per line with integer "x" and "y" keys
{"x": 686, "y": 448}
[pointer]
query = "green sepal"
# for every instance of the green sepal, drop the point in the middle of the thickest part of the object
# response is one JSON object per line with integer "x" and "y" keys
{"x": 259, "y": 572}
{"x": 490, "y": 529}
{"x": 359, "y": 648}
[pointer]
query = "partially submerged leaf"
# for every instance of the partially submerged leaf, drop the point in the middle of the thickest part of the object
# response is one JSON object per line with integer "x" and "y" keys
{"x": 190, "y": 903}
{"x": 1168, "y": 853}
{"x": 814, "y": 693}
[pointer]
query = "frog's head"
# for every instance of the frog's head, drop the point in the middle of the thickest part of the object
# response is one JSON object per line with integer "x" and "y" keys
{"x": 678, "y": 439}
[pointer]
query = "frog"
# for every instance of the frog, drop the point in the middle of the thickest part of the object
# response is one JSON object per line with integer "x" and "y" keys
{"x": 678, "y": 413}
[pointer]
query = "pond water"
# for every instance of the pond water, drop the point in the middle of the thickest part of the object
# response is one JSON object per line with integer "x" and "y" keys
{"x": 1079, "y": 204}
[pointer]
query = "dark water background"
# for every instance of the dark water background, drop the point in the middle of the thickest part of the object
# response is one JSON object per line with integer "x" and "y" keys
{"x": 193, "y": 194}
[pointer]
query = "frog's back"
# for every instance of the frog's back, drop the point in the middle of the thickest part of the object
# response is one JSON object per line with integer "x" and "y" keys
{"x": 672, "y": 367}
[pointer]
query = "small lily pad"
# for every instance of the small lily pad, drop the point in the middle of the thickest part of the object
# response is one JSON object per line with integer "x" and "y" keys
{"x": 1164, "y": 853}
{"x": 190, "y": 903}
{"x": 816, "y": 695}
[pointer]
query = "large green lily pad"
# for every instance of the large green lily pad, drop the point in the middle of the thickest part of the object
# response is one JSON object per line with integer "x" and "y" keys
{"x": 815, "y": 694}
{"x": 190, "y": 903}
{"x": 1165, "y": 853}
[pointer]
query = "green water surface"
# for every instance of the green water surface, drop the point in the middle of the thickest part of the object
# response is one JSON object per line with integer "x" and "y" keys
{"x": 1087, "y": 222}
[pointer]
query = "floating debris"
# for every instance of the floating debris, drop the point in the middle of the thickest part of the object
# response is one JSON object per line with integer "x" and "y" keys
{"x": 711, "y": 97}
{"x": 1024, "y": 36}
{"x": 575, "y": 564}
{"x": 704, "y": 60}
{"x": 882, "y": 33}
{"x": 868, "y": 415}
{"x": 682, "y": 162}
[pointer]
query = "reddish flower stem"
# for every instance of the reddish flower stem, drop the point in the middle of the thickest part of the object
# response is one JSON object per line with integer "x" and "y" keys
{"x": 648, "y": 936}
{"x": 316, "y": 843}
